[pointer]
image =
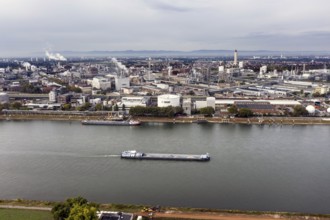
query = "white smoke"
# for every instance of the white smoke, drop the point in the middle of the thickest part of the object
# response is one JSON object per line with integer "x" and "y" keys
{"x": 26, "y": 64}
{"x": 56, "y": 56}
{"x": 119, "y": 65}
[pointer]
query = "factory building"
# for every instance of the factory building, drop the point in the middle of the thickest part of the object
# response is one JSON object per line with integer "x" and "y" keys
{"x": 250, "y": 92}
{"x": 241, "y": 65}
{"x": 121, "y": 83}
{"x": 256, "y": 107}
{"x": 54, "y": 106}
{"x": 210, "y": 102}
{"x": 223, "y": 104}
{"x": 168, "y": 100}
{"x": 263, "y": 70}
{"x": 163, "y": 86}
{"x": 4, "y": 98}
{"x": 186, "y": 105}
{"x": 321, "y": 89}
{"x": 52, "y": 96}
{"x": 134, "y": 101}
{"x": 101, "y": 83}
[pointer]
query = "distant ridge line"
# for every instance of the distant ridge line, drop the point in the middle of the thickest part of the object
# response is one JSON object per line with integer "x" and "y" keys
{"x": 202, "y": 52}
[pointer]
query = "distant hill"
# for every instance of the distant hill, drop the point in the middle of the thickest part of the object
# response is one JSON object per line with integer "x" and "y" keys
{"x": 153, "y": 53}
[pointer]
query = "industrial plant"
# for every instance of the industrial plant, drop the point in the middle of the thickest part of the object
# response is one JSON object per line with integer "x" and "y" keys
{"x": 265, "y": 85}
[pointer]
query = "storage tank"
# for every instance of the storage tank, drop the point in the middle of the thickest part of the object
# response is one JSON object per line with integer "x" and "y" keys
{"x": 328, "y": 110}
{"x": 168, "y": 100}
{"x": 310, "y": 109}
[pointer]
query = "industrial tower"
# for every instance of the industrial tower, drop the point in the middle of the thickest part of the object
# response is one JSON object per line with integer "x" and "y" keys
{"x": 235, "y": 58}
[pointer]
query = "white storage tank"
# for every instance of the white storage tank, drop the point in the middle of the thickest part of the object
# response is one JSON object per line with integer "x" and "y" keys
{"x": 168, "y": 100}
{"x": 310, "y": 109}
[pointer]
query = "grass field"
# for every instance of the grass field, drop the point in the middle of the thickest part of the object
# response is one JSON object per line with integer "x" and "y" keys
{"x": 19, "y": 214}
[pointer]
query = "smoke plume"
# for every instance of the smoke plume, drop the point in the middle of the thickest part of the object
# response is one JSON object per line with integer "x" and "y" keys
{"x": 56, "y": 56}
{"x": 119, "y": 65}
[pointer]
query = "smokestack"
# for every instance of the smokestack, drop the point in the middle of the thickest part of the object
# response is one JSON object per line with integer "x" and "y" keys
{"x": 169, "y": 71}
{"x": 149, "y": 69}
{"x": 235, "y": 58}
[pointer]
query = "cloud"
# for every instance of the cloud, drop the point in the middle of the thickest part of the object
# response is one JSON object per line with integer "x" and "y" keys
{"x": 163, "y": 24}
{"x": 178, "y": 5}
{"x": 161, "y": 5}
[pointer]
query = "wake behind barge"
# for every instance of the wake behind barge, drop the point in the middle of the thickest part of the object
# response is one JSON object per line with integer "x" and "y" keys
{"x": 133, "y": 154}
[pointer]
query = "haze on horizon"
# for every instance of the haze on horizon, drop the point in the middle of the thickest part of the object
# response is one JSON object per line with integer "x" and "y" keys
{"x": 32, "y": 26}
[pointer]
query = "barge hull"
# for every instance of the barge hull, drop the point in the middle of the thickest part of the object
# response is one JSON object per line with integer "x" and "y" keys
{"x": 111, "y": 123}
{"x": 177, "y": 157}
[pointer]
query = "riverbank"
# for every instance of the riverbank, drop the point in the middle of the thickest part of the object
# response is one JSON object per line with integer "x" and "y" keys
{"x": 171, "y": 212}
{"x": 219, "y": 120}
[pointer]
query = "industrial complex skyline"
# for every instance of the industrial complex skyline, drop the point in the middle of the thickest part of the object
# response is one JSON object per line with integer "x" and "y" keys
{"x": 32, "y": 26}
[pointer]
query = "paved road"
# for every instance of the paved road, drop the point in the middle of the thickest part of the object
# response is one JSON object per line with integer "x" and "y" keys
{"x": 25, "y": 207}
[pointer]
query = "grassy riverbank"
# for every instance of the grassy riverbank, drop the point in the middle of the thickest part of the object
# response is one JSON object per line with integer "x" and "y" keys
{"x": 22, "y": 214}
{"x": 30, "y": 213}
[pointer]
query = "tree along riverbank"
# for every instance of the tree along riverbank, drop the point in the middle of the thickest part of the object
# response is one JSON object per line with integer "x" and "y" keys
{"x": 171, "y": 212}
{"x": 182, "y": 119}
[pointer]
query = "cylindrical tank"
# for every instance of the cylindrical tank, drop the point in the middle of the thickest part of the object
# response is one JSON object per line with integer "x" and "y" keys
{"x": 310, "y": 109}
{"x": 168, "y": 100}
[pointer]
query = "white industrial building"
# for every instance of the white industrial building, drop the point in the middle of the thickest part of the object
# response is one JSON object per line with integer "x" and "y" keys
{"x": 322, "y": 89}
{"x": 43, "y": 106}
{"x": 209, "y": 102}
{"x": 299, "y": 83}
{"x": 95, "y": 101}
{"x": 127, "y": 90}
{"x": 121, "y": 83}
{"x": 200, "y": 104}
{"x": 52, "y": 96}
{"x": 221, "y": 68}
{"x": 263, "y": 70}
{"x": 241, "y": 65}
{"x": 4, "y": 98}
{"x": 168, "y": 100}
{"x": 101, "y": 83}
{"x": 186, "y": 105}
{"x": 279, "y": 102}
{"x": 134, "y": 101}
{"x": 250, "y": 92}
{"x": 163, "y": 86}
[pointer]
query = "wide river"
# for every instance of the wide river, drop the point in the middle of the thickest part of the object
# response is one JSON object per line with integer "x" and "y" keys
{"x": 252, "y": 167}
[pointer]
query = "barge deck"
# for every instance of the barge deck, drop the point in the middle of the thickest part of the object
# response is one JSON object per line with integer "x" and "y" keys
{"x": 158, "y": 156}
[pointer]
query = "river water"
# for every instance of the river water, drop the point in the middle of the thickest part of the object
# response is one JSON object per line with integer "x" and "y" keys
{"x": 252, "y": 167}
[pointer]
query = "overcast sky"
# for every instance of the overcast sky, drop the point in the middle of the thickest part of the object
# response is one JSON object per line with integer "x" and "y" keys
{"x": 28, "y": 26}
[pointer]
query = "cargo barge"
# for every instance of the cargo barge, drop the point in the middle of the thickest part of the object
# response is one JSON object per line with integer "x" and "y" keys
{"x": 133, "y": 154}
{"x": 111, "y": 123}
